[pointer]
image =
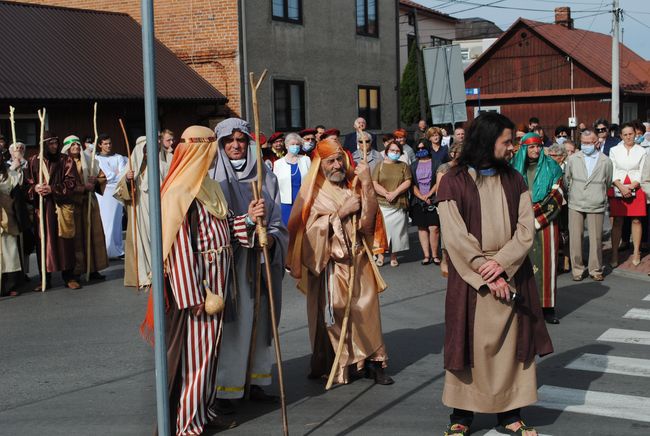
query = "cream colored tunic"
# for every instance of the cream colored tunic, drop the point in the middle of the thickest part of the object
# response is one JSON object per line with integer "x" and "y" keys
{"x": 497, "y": 382}
{"x": 10, "y": 254}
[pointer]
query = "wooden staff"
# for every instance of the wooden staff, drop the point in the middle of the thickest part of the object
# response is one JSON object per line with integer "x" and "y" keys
{"x": 90, "y": 194}
{"x": 134, "y": 214}
{"x": 20, "y": 235}
{"x": 263, "y": 242}
{"x": 41, "y": 216}
{"x": 348, "y": 301}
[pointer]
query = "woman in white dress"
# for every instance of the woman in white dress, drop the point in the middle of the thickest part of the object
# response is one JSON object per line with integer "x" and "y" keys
{"x": 290, "y": 170}
{"x": 111, "y": 210}
{"x": 10, "y": 265}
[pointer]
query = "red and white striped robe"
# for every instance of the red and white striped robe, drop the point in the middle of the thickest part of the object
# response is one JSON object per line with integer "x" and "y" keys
{"x": 187, "y": 269}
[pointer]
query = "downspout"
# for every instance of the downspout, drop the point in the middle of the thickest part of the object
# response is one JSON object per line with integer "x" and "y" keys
{"x": 397, "y": 68}
{"x": 243, "y": 66}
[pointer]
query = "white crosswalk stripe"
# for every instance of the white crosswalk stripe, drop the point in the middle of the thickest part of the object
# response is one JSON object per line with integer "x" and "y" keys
{"x": 612, "y": 365}
{"x": 638, "y": 314}
{"x": 626, "y": 336}
{"x": 647, "y": 298}
{"x": 594, "y": 403}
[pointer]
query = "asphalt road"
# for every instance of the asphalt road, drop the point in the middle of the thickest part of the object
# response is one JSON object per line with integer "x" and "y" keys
{"x": 72, "y": 363}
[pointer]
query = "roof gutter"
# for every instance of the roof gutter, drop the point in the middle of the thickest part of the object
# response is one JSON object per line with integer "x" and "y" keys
{"x": 243, "y": 65}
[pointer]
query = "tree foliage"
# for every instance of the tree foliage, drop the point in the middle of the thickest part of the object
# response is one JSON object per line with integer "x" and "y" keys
{"x": 409, "y": 95}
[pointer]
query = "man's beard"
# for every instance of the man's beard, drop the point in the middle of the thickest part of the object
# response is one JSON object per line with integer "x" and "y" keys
{"x": 335, "y": 176}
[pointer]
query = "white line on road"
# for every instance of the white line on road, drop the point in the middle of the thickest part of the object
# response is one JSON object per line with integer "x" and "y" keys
{"x": 638, "y": 314}
{"x": 594, "y": 403}
{"x": 647, "y": 298}
{"x": 626, "y": 336}
{"x": 612, "y": 365}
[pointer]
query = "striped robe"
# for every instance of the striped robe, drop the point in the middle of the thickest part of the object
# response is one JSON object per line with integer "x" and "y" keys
{"x": 199, "y": 254}
{"x": 544, "y": 254}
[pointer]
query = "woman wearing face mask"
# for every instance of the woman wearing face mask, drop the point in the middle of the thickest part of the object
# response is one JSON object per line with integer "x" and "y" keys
{"x": 290, "y": 170}
{"x": 364, "y": 144}
{"x": 392, "y": 180}
{"x": 626, "y": 199}
{"x": 561, "y": 134}
{"x": 423, "y": 209}
{"x": 308, "y": 142}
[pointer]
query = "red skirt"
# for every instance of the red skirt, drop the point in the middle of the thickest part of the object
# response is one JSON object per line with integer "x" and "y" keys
{"x": 632, "y": 207}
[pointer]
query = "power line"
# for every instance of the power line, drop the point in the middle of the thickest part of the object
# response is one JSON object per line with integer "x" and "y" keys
{"x": 634, "y": 19}
{"x": 495, "y": 6}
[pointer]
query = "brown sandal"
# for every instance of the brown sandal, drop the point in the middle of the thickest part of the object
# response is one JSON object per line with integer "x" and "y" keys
{"x": 457, "y": 430}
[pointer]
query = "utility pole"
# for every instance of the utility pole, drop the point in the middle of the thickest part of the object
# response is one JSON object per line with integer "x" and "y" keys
{"x": 153, "y": 173}
{"x": 616, "y": 86}
{"x": 420, "y": 67}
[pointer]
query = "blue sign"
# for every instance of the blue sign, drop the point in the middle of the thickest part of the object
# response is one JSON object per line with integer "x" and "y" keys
{"x": 472, "y": 91}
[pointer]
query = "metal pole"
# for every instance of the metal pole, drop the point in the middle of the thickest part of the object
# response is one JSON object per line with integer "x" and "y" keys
{"x": 421, "y": 84}
{"x": 153, "y": 170}
{"x": 616, "y": 87}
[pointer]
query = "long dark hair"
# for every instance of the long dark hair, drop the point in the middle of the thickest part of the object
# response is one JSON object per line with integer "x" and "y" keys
{"x": 478, "y": 146}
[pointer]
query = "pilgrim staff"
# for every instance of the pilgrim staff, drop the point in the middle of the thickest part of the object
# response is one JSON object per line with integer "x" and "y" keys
{"x": 41, "y": 216}
{"x": 90, "y": 194}
{"x": 133, "y": 208}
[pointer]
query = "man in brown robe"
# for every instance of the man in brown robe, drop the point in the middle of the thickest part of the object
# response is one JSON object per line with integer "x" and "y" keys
{"x": 491, "y": 337}
{"x": 321, "y": 255}
{"x": 59, "y": 182}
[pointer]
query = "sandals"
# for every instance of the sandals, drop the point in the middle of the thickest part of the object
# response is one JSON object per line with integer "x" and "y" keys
{"x": 457, "y": 430}
{"x": 379, "y": 262}
{"x": 521, "y": 431}
{"x": 426, "y": 261}
{"x": 394, "y": 263}
{"x": 437, "y": 261}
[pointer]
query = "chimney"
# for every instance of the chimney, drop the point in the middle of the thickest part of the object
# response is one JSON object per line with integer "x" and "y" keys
{"x": 563, "y": 17}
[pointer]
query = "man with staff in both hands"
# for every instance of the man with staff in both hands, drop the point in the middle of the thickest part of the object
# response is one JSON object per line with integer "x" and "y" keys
{"x": 58, "y": 188}
{"x": 199, "y": 236}
{"x": 235, "y": 171}
{"x": 324, "y": 258}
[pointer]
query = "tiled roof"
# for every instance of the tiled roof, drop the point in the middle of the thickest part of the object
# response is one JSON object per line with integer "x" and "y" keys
{"x": 428, "y": 11}
{"x": 62, "y": 53}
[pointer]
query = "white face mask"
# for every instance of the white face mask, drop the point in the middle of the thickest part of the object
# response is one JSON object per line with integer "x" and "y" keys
{"x": 307, "y": 146}
{"x": 238, "y": 163}
{"x": 561, "y": 139}
{"x": 588, "y": 149}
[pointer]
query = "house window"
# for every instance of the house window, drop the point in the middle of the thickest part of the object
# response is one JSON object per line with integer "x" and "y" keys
{"x": 438, "y": 42}
{"x": 367, "y": 18}
{"x": 370, "y": 107}
{"x": 464, "y": 54}
{"x": 28, "y": 129}
{"x": 289, "y": 105}
{"x": 287, "y": 10}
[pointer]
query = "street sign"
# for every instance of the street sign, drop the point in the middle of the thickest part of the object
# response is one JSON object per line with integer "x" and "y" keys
{"x": 472, "y": 91}
{"x": 443, "y": 67}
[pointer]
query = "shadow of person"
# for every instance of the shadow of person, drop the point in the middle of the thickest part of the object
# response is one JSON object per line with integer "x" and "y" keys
{"x": 571, "y": 298}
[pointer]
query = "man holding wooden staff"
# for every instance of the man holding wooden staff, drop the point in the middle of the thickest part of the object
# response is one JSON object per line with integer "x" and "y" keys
{"x": 235, "y": 171}
{"x": 322, "y": 259}
{"x": 58, "y": 188}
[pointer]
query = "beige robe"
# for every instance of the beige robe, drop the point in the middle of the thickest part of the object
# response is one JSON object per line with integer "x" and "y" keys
{"x": 10, "y": 250}
{"x": 326, "y": 256}
{"x": 497, "y": 382}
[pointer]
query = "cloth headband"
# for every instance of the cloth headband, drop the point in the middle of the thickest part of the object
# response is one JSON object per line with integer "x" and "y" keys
{"x": 70, "y": 140}
{"x": 533, "y": 140}
{"x": 198, "y": 140}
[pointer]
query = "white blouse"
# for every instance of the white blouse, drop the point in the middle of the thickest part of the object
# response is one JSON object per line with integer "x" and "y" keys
{"x": 282, "y": 170}
{"x": 627, "y": 163}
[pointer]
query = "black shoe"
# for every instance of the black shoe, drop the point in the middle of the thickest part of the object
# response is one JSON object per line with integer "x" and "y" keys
{"x": 258, "y": 394}
{"x": 95, "y": 276}
{"x": 549, "y": 316}
{"x": 224, "y": 407}
{"x": 220, "y": 423}
{"x": 376, "y": 371}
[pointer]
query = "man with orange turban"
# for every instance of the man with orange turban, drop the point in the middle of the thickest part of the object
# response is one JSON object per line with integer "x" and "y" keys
{"x": 199, "y": 236}
{"x": 321, "y": 255}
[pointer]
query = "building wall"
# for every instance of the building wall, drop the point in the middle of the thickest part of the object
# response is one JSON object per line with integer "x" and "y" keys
{"x": 475, "y": 48}
{"x": 428, "y": 27}
{"x": 326, "y": 53}
{"x": 202, "y": 33}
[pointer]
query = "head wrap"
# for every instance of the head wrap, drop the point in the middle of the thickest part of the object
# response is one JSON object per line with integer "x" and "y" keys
{"x": 83, "y": 157}
{"x": 548, "y": 171}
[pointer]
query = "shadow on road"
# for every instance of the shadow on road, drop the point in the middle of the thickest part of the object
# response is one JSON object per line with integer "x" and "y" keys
{"x": 571, "y": 298}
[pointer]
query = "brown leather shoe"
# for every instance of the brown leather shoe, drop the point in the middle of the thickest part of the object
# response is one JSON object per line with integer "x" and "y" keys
{"x": 73, "y": 284}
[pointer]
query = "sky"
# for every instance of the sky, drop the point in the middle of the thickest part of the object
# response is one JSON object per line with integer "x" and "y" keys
{"x": 592, "y": 15}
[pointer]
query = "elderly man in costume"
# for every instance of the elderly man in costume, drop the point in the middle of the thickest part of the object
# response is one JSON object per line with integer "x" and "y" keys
{"x": 10, "y": 256}
{"x": 59, "y": 183}
{"x": 491, "y": 338}
{"x": 543, "y": 176}
{"x": 235, "y": 171}
{"x": 321, "y": 256}
{"x": 199, "y": 236}
{"x": 135, "y": 176}
{"x": 87, "y": 182}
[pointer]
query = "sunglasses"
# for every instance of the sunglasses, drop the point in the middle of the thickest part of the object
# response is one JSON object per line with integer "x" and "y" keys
{"x": 601, "y": 130}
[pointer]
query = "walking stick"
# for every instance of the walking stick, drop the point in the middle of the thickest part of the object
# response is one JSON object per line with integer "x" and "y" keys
{"x": 134, "y": 214}
{"x": 90, "y": 194}
{"x": 13, "y": 141}
{"x": 263, "y": 241}
{"x": 41, "y": 217}
{"x": 348, "y": 301}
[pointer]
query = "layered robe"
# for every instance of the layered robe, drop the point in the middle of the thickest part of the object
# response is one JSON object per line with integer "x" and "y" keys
{"x": 10, "y": 255}
{"x": 238, "y": 326}
{"x": 327, "y": 256}
{"x": 98, "y": 256}
{"x": 202, "y": 250}
{"x": 61, "y": 175}
{"x": 111, "y": 210}
{"x": 141, "y": 203}
{"x": 490, "y": 344}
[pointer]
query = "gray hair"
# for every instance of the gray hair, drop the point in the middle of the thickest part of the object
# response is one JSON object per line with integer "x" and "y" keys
{"x": 293, "y": 137}
{"x": 13, "y": 146}
{"x": 557, "y": 149}
{"x": 364, "y": 135}
{"x": 588, "y": 132}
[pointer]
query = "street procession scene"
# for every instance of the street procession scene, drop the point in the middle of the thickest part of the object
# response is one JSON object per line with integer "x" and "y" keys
{"x": 367, "y": 217}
